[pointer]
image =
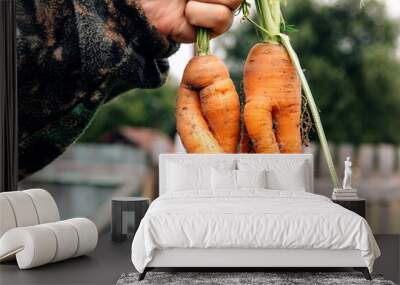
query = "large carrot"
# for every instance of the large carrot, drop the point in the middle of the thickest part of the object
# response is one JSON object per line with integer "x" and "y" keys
{"x": 270, "y": 26}
{"x": 273, "y": 92}
{"x": 273, "y": 100}
{"x": 208, "y": 108}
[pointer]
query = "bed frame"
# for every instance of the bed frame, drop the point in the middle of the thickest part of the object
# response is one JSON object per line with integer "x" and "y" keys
{"x": 246, "y": 258}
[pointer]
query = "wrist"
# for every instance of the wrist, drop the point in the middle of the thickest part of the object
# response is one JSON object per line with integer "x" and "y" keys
{"x": 140, "y": 31}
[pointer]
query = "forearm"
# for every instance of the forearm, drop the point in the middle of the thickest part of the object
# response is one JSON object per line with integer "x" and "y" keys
{"x": 72, "y": 57}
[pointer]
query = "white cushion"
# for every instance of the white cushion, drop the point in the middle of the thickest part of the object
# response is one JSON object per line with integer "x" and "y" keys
{"x": 251, "y": 178}
{"x": 281, "y": 174}
{"x": 7, "y": 218}
{"x": 168, "y": 178}
{"x": 33, "y": 246}
{"x": 87, "y": 233}
{"x": 67, "y": 237}
{"x": 223, "y": 179}
{"x": 226, "y": 179}
{"x": 26, "y": 208}
{"x": 46, "y": 207}
{"x": 23, "y": 208}
{"x": 40, "y": 244}
{"x": 182, "y": 177}
{"x": 296, "y": 181}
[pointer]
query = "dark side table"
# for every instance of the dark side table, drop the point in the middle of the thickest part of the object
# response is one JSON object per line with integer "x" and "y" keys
{"x": 127, "y": 212}
{"x": 357, "y": 206}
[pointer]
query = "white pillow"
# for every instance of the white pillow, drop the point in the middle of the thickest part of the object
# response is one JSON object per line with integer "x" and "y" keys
{"x": 282, "y": 173}
{"x": 296, "y": 181}
{"x": 223, "y": 179}
{"x": 251, "y": 178}
{"x": 183, "y": 177}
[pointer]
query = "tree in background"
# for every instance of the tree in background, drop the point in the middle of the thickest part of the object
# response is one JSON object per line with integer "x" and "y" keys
{"x": 138, "y": 108}
{"x": 349, "y": 54}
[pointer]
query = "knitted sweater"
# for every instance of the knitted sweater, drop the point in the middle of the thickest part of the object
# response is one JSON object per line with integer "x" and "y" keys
{"x": 73, "y": 56}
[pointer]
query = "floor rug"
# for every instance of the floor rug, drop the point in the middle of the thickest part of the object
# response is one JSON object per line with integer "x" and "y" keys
{"x": 244, "y": 278}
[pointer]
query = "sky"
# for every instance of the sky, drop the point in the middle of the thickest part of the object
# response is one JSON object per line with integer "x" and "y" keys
{"x": 393, "y": 7}
{"x": 179, "y": 60}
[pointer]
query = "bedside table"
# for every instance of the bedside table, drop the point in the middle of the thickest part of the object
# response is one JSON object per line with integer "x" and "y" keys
{"x": 357, "y": 206}
{"x": 127, "y": 212}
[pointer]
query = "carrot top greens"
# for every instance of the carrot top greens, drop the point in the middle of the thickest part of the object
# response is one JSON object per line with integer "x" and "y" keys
{"x": 203, "y": 41}
{"x": 270, "y": 22}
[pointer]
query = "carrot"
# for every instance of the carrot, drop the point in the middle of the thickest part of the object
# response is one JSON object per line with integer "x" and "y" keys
{"x": 191, "y": 125}
{"x": 281, "y": 100}
{"x": 208, "y": 108}
{"x": 273, "y": 100}
{"x": 272, "y": 111}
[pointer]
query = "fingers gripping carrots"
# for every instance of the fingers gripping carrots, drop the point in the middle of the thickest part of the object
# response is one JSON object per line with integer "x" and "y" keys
{"x": 273, "y": 100}
{"x": 208, "y": 108}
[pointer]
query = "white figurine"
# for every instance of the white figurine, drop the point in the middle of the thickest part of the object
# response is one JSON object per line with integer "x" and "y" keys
{"x": 347, "y": 174}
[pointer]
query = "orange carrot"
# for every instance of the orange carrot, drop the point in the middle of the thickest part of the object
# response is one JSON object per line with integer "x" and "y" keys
{"x": 191, "y": 125}
{"x": 272, "y": 112}
{"x": 208, "y": 108}
{"x": 273, "y": 100}
{"x": 272, "y": 78}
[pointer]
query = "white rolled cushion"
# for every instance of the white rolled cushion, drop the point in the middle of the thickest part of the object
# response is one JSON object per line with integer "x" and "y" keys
{"x": 67, "y": 239}
{"x": 7, "y": 218}
{"x": 251, "y": 178}
{"x": 37, "y": 245}
{"x": 23, "y": 208}
{"x": 33, "y": 246}
{"x": 87, "y": 235}
{"x": 45, "y": 205}
{"x": 182, "y": 177}
{"x": 223, "y": 179}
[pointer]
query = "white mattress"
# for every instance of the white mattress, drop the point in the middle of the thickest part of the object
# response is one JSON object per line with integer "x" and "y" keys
{"x": 253, "y": 218}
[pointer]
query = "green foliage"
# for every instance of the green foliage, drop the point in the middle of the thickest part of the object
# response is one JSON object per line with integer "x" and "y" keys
{"x": 244, "y": 8}
{"x": 349, "y": 54}
{"x": 152, "y": 108}
{"x": 287, "y": 29}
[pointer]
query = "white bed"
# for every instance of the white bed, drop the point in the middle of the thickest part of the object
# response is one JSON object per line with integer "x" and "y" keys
{"x": 280, "y": 225}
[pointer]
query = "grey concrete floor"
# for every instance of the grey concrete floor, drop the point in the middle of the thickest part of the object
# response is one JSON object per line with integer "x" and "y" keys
{"x": 389, "y": 262}
{"x": 110, "y": 260}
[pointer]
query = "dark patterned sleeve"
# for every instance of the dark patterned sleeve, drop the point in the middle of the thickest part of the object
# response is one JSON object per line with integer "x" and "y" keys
{"x": 74, "y": 55}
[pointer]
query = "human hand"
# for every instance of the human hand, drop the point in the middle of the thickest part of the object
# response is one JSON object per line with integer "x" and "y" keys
{"x": 178, "y": 19}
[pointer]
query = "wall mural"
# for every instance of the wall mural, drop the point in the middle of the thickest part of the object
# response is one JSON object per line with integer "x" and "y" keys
{"x": 91, "y": 109}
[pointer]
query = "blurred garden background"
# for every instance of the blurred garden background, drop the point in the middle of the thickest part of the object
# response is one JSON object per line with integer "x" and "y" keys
{"x": 351, "y": 56}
